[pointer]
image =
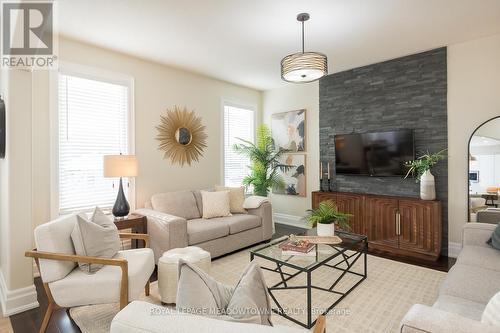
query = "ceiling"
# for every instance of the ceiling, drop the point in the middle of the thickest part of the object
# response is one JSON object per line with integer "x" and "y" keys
{"x": 243, "y": 41}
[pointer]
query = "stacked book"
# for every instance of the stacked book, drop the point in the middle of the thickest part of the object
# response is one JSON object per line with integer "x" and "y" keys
{"x": 297, "y": 248}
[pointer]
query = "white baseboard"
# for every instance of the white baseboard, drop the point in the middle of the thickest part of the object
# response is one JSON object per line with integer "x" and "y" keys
{"x": 454, "y": 249}
{"x": 292, "y": 220}
{"x": 18, "y": 300}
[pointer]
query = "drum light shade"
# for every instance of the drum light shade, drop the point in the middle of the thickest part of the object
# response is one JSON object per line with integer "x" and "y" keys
{"x": 304, "y": 67}
{"x": 120, "y": 166}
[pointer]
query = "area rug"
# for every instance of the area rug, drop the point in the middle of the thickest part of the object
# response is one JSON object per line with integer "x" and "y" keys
{"x": 377, "y": 305}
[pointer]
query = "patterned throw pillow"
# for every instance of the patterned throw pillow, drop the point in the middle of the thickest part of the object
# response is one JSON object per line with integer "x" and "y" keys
{"x": 97, "y": 237}
{"x": 494, "y": 241}
{"x": 215, "y": 204}
{"x": 236, "y": 198}
{"x": 491, "y": 314}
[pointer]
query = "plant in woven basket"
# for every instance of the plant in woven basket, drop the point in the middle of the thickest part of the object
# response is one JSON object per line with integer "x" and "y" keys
{"x": 265, "y": 162}
{"x": 328, "y": 213}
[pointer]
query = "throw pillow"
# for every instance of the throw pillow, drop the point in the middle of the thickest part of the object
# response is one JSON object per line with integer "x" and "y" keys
{"x": 198, "y": 293}
{"x": 97, "y": 237}
{"x": 491, "y": 314}
{"x": 250, "y": 300}
{"x": 236, "y": 198}
{"x": 494, "y": 241}
{"x": 215, "y": 204}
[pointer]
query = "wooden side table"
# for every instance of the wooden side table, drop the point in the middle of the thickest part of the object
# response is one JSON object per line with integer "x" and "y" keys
{"x": 138, "y": 224}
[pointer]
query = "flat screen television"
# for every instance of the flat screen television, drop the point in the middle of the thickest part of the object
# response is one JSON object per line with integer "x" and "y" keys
{"x": 374, "y": 154}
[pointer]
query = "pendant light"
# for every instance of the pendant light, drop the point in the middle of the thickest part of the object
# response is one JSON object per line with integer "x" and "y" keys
{"x": 302, "y": 67}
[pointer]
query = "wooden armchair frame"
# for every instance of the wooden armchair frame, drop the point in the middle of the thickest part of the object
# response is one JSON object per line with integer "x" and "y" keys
{"x": 122, "y": 263}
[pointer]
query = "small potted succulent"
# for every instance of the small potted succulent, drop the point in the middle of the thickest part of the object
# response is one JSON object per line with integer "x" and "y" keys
{"x": 325, "y": 217}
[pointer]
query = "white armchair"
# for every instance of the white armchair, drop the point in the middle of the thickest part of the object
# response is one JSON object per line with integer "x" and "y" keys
{"x": 121, "y": 279}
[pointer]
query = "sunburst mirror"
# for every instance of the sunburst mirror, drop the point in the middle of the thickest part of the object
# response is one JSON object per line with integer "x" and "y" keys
{"x": 182, "y": 136}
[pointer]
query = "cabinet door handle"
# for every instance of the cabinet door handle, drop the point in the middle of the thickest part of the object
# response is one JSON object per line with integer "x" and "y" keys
{"x": 398, "y": 223}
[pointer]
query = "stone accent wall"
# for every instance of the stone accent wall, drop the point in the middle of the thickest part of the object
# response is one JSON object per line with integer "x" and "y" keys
{"x": 404, "y": 93}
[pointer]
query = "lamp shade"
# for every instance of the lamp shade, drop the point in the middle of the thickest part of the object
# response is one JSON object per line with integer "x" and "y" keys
{"x": 304, "y": 67}
{"x": 120, "y": 166}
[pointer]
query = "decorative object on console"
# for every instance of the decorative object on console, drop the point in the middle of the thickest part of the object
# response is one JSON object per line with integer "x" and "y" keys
{"x": 289, "y": 130}
{"x": 266, "y": 162}
{"x": 3, "y": 126}
{"x": 302, "y": 67}
{"x": 321, "y": 174}
{"x": 182, "y": 136}
{"x": 325, "y": 216}
{"x": 120, "y": 166}
{"x": 421, "y": 170}
{"x": 294, "y": 176}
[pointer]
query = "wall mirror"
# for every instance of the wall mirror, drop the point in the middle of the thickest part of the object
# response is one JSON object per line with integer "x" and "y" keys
{"x": 181, "y": 135}
{"x": 484, "y": 173}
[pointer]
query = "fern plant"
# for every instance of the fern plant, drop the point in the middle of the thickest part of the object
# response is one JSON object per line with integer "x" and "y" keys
{"x": 328, "y": 213}
{"x": 265, "y": 162}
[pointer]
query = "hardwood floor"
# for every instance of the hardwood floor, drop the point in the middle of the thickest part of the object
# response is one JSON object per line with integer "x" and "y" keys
{"x": 61, "y": 322}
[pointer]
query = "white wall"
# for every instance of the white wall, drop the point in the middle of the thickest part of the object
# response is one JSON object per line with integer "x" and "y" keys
{"x": 157, "y": 87}
{"x": 288, "y": 98}
{"x": 473, "y": 97}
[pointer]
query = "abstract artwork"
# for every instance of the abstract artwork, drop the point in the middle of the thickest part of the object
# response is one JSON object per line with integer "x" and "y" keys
{"x": 295, "y": 177}
{"x": 289, "y": 130}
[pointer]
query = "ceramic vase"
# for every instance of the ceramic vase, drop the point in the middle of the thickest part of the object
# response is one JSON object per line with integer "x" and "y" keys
{"x": 325, "y": 229}
{"x": 427, "y": 186}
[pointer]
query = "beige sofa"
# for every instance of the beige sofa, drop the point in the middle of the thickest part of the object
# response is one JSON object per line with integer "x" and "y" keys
{"x": 468, "y": 287}
{"x": 174, "y": 220}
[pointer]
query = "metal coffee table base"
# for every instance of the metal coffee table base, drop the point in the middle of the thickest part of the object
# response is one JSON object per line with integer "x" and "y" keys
{"x": 348, "y": 259}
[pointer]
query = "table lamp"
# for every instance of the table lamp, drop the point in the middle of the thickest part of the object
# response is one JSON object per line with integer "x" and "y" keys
{"x": 120, "y": 166}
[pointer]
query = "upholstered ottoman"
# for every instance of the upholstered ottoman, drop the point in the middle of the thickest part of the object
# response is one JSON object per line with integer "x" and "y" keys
{"x": 168, "y": 269}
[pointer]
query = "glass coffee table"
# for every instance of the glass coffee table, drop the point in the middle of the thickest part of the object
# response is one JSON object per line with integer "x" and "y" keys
{"x": 340, "y": 258}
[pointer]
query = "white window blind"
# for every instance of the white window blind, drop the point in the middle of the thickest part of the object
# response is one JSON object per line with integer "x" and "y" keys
{"x": 93, "y": 121}
{"x": 238, "y": 123}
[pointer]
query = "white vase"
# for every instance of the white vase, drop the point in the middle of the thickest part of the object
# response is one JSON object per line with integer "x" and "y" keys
{"x": 325, "y": 229}
{"x": 427, "y": 186}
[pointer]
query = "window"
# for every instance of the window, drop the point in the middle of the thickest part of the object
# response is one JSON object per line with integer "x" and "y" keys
{"x": 238, "y": 123}
{"x": 93, "y": 120}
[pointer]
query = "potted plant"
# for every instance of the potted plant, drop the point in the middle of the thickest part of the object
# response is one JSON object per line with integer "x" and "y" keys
{"x": 420, "y": 169}
{"x": 325, "y": 217}
{"x": 265, "y": 162}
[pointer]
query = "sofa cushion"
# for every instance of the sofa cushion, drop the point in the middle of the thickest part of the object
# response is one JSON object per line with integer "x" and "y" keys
{"x": 181, "y": 203}
{"x": 481, "y": 256}
{"x": 241, "y": 222}
{"x": 79, "y": 288}
{"x": 460, "y": 306}
{"x": 55, "y": 236}
{"x": 471, "y": 282}
{"x": 202, "y": 230}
